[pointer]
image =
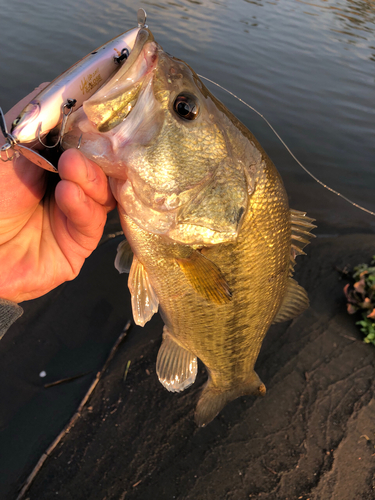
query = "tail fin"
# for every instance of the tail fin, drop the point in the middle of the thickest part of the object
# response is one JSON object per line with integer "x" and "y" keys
{"x": 213, "y": 399}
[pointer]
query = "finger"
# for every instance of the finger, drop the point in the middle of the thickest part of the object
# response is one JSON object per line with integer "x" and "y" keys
{"x": 22, "y": 186}
{"x": 75, "y": 167}
{"x": 86, "y": 218}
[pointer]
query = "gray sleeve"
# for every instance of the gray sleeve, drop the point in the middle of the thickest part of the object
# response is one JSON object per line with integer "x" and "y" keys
{"x": 9, "y": 312}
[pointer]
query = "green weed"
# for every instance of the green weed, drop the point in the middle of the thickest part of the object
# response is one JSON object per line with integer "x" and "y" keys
{"x": 361, "y": 298}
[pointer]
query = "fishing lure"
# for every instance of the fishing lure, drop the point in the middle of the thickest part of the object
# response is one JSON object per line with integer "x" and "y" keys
{"x": 53, "y": 105}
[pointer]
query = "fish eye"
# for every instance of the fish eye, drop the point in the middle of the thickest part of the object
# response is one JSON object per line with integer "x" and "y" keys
{"x": 186, "y": 107}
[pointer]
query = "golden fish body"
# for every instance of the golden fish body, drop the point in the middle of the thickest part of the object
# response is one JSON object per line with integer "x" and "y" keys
{"x": 206, "y": 215}
{"x": 226, "y": 337}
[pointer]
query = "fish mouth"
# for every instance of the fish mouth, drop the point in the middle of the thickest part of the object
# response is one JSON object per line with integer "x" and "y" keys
{"x": 115, "y": 100}
{"x": 122, "y": 112}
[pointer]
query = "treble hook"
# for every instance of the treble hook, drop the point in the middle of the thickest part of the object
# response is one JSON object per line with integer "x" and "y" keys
{"x": 67, "y": 110}
{"x": 4, "y": 149}
{"x": 10, "y": 141}
{"x": 30, "y": 154}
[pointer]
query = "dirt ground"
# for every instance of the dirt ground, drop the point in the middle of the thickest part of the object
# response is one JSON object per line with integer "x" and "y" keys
{"x": 311, "y": 437}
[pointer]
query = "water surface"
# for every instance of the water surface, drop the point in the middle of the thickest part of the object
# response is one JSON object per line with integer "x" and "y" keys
{"x": 308, "y": 66}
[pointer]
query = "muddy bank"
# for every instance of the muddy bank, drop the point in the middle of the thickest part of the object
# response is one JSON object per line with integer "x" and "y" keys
{"x": 311, "y": 437}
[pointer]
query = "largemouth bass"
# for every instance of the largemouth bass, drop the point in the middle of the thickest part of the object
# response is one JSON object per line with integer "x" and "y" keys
{"x": 209, "y": 233}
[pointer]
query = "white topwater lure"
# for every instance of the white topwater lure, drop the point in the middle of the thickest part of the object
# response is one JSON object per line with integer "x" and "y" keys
{"x": 52, "y": 106}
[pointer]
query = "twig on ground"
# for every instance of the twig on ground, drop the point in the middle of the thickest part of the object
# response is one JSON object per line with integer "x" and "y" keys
{"x": 347, "y": 337}
{"x": 269, "y": 469}
{"x": 126, "y": 370}
{"x": 64, "y": 380}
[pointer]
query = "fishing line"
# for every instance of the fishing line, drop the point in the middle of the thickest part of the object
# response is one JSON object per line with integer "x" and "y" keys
{"x": 289, "y": 151}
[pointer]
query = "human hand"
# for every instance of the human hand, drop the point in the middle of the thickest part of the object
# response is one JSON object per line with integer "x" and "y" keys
{"x": 46, "y": 233}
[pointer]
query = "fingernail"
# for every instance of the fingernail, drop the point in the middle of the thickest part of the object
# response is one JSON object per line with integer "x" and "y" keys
{"x": 90, "y": 172}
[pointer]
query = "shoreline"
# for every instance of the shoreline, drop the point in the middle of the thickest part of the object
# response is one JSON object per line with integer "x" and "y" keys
{"x": 71, "y": 330}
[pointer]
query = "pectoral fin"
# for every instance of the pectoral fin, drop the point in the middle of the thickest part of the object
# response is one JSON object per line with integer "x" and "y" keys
{"x": 294, "y": 303}
{"x": 144, "y": 300}
{"x": 175, "y": 366}
{"x": 206, "y": 278}
{"x": 124, "y": 257}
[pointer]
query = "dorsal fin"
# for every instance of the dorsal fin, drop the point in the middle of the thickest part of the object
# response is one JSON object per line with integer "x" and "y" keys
{"x": 144, "y": 300}
{"x": 175, "y": 366}
{"x": 295, "y": 301}
{"x": 301, "y": 235}
{"x": 206, "y": 278}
